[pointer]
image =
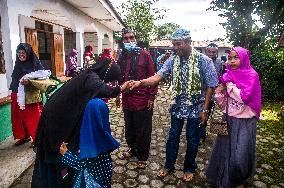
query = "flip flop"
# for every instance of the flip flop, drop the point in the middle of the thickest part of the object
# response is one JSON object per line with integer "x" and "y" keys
{"x": 163, "y": 173}
{"x": 187, "y": 176}
{"x": 22, "y": 141}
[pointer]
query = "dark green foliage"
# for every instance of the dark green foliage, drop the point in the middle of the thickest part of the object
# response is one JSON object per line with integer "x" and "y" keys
{"x": 257, "y": 26}
{"x": 140, "y": 16}
{"x": 269, "y": 62}
{"x": 165, "y": 31}
{"x": 242, "y": 26}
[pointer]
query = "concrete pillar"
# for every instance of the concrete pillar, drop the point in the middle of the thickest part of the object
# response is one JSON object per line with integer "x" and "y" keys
{"x": 111, "y": 44}
{"x": 110, "y": 37}
{"x": 10, "y": 36}
{"x": 100, "y": 43}
{"x": 80, "y": 47}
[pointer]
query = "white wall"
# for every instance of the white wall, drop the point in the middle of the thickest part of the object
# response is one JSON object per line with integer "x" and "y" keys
{"x": 25, "y": 22}
{"x": 4, "y": 78}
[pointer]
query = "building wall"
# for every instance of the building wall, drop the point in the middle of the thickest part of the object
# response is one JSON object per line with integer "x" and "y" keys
{"x": 15, "y": 17}
{"x": 91, "y": 39}
{"x": 4, "y": 78}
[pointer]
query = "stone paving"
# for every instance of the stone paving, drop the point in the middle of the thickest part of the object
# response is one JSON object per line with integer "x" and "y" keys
{"x": 125, "y": 173}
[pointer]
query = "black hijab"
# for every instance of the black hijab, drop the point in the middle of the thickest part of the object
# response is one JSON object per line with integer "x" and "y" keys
{"x": 22, "y": 68}
{"x": 62, "y": 114}
{"x": 107, "y": 70}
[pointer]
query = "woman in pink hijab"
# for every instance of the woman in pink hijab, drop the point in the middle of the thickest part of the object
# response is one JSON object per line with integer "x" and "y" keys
{"x": 72, "y": 68}
{"x": 232, "y": 160}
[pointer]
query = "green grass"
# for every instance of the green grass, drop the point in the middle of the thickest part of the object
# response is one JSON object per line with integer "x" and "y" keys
{"x": 271, "y": 128}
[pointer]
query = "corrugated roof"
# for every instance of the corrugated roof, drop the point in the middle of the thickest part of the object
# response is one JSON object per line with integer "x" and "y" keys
{"x": 168, "y": 43}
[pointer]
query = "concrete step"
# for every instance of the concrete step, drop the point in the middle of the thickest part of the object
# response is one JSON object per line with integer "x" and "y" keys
{"x": 14, "y": 160}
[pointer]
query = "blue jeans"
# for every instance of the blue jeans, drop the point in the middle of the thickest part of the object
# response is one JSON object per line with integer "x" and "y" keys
{"x": 192, "y": 137}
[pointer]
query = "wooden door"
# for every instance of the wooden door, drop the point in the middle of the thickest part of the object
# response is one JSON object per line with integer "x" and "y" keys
{"x": 31, "y": 38}
{"x": 57, "y": 55}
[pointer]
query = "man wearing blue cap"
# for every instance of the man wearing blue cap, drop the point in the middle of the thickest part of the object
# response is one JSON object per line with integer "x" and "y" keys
{"x": 193, "y": 81}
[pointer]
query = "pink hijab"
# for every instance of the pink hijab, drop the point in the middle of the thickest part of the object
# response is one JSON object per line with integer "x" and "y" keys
{"x": 246, "y": 79}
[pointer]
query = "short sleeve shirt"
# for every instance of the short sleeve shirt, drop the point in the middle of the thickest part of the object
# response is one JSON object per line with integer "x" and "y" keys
{"x": 180, "y": 108}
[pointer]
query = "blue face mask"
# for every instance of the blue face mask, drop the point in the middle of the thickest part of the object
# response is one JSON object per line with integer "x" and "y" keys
{"x": 131, "y": 46}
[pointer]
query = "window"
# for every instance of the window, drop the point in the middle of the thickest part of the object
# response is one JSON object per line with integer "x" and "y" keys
{"x": 43, "y": 26}
{"x": 2, "y": 61}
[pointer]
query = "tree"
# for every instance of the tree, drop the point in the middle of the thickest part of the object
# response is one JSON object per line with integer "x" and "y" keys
{"x": 241, "y": 26}
{"x": 165, "y": 31}
{"x": 140, "y": 16}
{"x": 244, "y": 30}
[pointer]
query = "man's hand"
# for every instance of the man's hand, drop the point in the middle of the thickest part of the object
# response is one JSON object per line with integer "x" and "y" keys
{"x": 117, "y": 101}
{"x": 63, "y": 148}
{"x": 135, "y": 84}
{"x": 150, "y": 105}
{"x": 220, "y": 88}
{"x": 25, "y": 82}
{"x": 203, "y": 117}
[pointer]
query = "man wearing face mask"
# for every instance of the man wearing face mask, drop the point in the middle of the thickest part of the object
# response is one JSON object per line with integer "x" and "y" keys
{"x": 137, "y": 64}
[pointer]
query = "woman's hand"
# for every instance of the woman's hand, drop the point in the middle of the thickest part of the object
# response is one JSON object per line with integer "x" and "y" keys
{"x": 150, "y": 104}
{"x": 63, "y": 148}
{"x": 135, "y": 84}
{"x": 117, "y": 101}
{"x": 126, "y": 86}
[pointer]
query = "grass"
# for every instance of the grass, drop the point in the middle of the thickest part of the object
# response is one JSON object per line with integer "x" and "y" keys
{"x": 270, "y": 144}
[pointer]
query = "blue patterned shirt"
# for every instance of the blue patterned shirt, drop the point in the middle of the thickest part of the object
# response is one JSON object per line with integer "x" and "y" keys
{"x": 208, "y": 75}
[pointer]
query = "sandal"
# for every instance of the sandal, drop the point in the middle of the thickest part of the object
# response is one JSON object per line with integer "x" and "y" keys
{"x": 32, "y": 145}
{"x": 141, "y": 164}
{"x": 22, "y": 141}
{"x": 187, "y": 176}
{"x": 163, "y": 173}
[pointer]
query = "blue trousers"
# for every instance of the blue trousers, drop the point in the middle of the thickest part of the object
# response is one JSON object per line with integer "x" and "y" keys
{"x": 192, "y": 137}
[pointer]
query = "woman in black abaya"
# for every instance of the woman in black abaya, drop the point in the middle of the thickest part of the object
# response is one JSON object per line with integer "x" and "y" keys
{"x": 61, "y": 120}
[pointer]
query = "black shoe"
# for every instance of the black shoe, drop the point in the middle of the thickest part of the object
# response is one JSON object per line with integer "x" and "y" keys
{"x": 22, "y": 141}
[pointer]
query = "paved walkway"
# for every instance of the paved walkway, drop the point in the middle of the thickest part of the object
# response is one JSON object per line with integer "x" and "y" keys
{"x": 125, "y": 174}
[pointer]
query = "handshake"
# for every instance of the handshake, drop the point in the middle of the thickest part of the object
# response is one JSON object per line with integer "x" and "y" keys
{"x": 129, "y": 85}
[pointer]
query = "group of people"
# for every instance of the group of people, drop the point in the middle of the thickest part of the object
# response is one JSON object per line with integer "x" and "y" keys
{"x": 72, "y": 67}
{"x": 73, "y": 138}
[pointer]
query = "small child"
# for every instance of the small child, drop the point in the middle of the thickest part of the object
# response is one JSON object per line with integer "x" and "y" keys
{"x": 94, "y": 163}
{"x": 232, "y": 160}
